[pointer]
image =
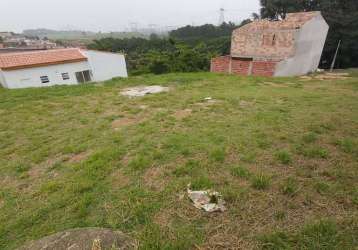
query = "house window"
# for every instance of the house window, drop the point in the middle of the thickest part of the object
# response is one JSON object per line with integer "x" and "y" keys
{"x": 44, "y": 79}
{"x": 84, "y": 76}
{"x": 65, "y": 76}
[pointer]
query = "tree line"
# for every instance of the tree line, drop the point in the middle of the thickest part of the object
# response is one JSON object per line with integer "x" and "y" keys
{"x": 187, "y": 49}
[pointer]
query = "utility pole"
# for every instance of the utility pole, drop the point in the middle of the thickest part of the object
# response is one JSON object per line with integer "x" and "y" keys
{"x": 335, "y": 56}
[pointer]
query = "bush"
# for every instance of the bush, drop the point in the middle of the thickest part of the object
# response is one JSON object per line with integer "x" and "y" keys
{"x": 159, "y": 67}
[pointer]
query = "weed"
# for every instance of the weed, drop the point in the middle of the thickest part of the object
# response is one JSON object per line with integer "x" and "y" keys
{"x": 260, "y": 181}
{"x": 21, "y": 168}
{"x": 280, "y": 215}
{"x": 321, "y": 235}
{"x": 233, "y": 195}
{"x": 218, "y": 155}
{"x": 310, "y": 137}
{"x": 51, "y": 187}
{"x": 284, "y": 157}
{"x": 201, "y": 183}
{"x": 189, "y": 168}
{"x": 322, "y": 187}
{"x": 290, "y": 187}
{"x": 315, "y": 152}
{"x": 139, "y": 163}
{"x": 347, "y": 145}
{"x": 239, "y": 171}
{"x": 355, "y": 196}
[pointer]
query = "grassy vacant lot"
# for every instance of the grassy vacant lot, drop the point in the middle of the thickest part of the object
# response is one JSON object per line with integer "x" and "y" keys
{"x": 283, "y": 152}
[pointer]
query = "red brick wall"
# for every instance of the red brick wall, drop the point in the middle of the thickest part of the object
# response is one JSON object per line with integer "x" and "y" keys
{"x": 263, "y": 68}
{"x": 240, "y": 66}
{"x": 220, "y": 64}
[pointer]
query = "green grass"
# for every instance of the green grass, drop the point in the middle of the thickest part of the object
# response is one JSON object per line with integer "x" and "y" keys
{"x": 282, "y": 155}
{"x": 260, "y": 181}
{"x": 240, "y": 171}
{"x": 324, "y": 234}
{"x": 290, "y": 187}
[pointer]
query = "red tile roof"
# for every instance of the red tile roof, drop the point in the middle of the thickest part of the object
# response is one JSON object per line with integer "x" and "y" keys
{"x": 32, "y": 59}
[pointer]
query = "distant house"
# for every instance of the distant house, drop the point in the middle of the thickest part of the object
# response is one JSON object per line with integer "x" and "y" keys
{"x": 59, "y": 67}
{"x": 288, "y": 47}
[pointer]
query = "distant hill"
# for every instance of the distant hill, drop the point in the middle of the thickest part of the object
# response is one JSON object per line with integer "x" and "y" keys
{"x": 77, "y": 34}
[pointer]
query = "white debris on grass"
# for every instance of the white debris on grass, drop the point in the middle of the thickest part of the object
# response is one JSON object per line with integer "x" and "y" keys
{"x": 144, "y": 90}
{"x": 208, "y": 200}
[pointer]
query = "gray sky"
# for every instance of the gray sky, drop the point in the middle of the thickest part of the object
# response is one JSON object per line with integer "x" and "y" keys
{"x": 114, "y": 15}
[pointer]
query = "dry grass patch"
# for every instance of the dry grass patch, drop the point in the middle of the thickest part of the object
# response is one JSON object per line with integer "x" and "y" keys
{"x": 182, "y": 114}
{"x": 79, "y": 157}
{"x": 125, "y": 122}
{"x": 119, "y": 179}
{"x": 155, "y": 179}
{"x": 163, "y": 218}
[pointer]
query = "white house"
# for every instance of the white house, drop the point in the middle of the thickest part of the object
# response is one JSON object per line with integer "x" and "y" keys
{"x": 59, "y": 67}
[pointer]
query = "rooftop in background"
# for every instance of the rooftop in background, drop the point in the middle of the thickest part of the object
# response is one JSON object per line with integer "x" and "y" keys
{"x": 21, "y": 60}
{"x": 19, "y": 49}
{"x": 292, "y": 21}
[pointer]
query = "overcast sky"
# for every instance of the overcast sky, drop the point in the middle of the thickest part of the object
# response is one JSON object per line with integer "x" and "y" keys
{"x": 115, "y": 15}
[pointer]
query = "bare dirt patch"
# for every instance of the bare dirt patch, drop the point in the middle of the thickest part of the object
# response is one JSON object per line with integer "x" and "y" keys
{"x": 246, "y": 104}
{"x": 181, "y": 114}
{"x": 84, "y": 238}
{"x": 125, "y": 122}
{"x": 119, "y": 179}
{"x": 277, "y": 85}
{"x": 163, "y": 218}
{"x": 327, "y": 76}
{"x": 154, "y": 178}
{"x": 36, "y": 172}
{"x": 79, "y": 157}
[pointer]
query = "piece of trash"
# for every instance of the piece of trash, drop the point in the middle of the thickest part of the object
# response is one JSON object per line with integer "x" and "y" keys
{"x": 208, "y": 98}
{"x": 142, "y": 91}
{"x": 96, "y": 244}
{"x": 208, "y": 200}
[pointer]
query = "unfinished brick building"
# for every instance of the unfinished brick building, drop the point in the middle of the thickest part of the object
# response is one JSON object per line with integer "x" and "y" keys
{"x": 288, "y": 47}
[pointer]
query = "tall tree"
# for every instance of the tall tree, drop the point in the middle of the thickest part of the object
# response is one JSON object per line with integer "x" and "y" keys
{"x": 342, "y": 17}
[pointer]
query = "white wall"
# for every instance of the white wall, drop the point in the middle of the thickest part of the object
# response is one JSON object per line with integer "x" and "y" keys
{"x": 25, "y": 78}
{"x": 309, "y": 45}
{"x": 106, "y": 66}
